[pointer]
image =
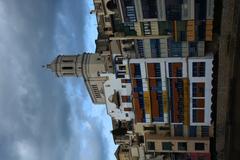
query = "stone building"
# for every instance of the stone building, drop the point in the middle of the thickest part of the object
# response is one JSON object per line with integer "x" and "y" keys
{"x": 153, "y": 70}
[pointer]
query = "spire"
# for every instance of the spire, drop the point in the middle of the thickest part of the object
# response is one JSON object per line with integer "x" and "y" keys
{"x": 93, "y": 11}
{"x": 51, "y": 66}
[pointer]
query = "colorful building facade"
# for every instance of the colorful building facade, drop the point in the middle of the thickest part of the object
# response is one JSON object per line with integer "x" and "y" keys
{"x": 153, "y": 70}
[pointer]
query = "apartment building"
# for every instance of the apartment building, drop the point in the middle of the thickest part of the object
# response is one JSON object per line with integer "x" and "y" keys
{"x": 153, "y": 70}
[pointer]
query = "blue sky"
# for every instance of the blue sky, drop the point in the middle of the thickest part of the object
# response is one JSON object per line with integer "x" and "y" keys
{"x": 43, "y": 117}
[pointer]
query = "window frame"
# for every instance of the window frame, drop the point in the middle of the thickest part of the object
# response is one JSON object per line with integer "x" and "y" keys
{"x": 182, "y": 148}
{"x": 199, "y": 146}
{"x": 165, "y": 146}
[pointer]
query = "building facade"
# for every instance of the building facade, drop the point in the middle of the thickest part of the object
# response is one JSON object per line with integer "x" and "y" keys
{"x": 153, "y": 70}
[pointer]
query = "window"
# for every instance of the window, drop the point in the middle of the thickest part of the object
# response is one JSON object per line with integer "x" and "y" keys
{"x": 173, "y": 10}
{"x": 128, "y": 8}
{"x": 199, "y": 146}
{"x": 120, "y": 75}
{"x": 67, "y": 68}
{"x": 141, "y": 100}
{"x": 131, "y": 13}
{"x": 155, "y": 48}
{"x": 201, "y": 90}
{"x": 198, "y": 89}
{"x": 154, "y": 69}
{"x": 151, "y": 145}
{"x": 96, "y": 91}
{"x": 135, "y": 70}
{"x": 122, "y": 67}
{"x": 140, "y": 139}
{"x": 193, "y": 49}
{"x": 123, "y": 86}
{"x": 125, "y": 150}
{"x": 167, "y": 146}
{"x": 201, "y": 30}
{"x": 200, "y": 9}
{"x": 157, "y": 70}
{"x": 179, "y": 86}
{"x": 178, "y": 130}
{"x": 159, "y": 85}
{"x": 67, "y": 60}
{"x": 179, "y": 72}
{"x": 146, "y": 27}
{"x": 175, "y": 49}
{"x": 126, "y": 99}
{"x": 182, "y": 146}
{"x": 198, "y": 115}
{"x": 205, "y": 131}
{"x": 198, "y": 69}
{"x": 160, "y": 107}
{"x": 127, "y": 109}
{"x": 140, "y": 48}
{"x": 126, "y": 114}
{"x": 139, "y": 83}
{"x": 67, "y": 74}
{"x": 192, "y": 131}
{"x": 198, "y": 103}
{"x": 118, "y": 60}
{"x": 149, "y": 9}
{"x": 126, "y": 80}
{"x": 165, "y": 27}
{"x": 202, "y": 69}
{"x": 175, "y": 69}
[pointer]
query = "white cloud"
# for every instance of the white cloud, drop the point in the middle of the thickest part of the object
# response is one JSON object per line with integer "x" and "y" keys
{"x": 90, "y": 123}
{"x": 26, "y": 151}
{"x": 37, "y": 118}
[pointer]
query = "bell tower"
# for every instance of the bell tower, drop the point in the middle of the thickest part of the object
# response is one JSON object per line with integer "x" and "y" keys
{"x": 67, "y": 65}
{"x": 88, "y": 66}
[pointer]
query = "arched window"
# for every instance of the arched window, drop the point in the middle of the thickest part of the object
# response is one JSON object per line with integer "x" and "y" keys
{"x": 111, "y": 5}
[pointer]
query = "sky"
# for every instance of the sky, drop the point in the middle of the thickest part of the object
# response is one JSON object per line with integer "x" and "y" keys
{"x": 43, "y": 117}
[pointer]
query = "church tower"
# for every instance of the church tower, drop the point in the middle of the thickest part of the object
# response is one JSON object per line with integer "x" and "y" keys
{"x": 67, "y": 65}
{"x": 89, "y": 67}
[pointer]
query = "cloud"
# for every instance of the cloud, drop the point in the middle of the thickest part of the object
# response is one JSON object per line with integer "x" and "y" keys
{"x": 34, "y": 111}
{"x": 25, "y": 150}
{"x": 38, "y": 119}
{"x": 94, "y": 124}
